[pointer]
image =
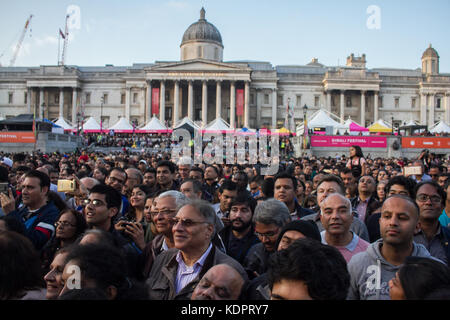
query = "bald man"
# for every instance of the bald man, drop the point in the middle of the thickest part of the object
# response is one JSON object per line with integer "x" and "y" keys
{"x": 221, "y": 282}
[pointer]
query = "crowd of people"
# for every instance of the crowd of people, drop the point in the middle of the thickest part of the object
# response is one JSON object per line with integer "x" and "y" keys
{"x": 143, "y": 226}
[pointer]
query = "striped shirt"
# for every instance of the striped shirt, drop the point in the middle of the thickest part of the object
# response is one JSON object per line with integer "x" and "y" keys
{"x": 185, "y": 274}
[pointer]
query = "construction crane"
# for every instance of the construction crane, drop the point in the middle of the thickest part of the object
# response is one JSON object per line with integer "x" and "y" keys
{"x": 19, "y": 43}
{"x": 65, "y": 36}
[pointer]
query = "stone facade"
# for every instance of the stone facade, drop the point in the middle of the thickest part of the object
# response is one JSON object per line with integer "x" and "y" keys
{"x": 203, "y": 87}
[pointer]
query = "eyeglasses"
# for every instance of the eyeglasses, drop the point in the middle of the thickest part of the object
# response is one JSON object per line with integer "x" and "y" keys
{"x": 63, "y": 224}
{"x": 163, "y": 212}
{"x": 95, "y": 202}
{"x": 186, "y": 222}
{"x": 425, "y": 197}
{"x": 269, "y": 234}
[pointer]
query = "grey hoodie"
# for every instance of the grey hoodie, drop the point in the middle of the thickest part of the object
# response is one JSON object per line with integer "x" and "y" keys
{"x": 370, "y": 272}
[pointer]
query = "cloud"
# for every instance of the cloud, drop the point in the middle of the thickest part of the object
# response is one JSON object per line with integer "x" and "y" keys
{"x": 45, "y": 40}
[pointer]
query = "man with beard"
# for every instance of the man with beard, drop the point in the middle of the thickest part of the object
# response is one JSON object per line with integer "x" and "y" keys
{"x": 239, "y": 236}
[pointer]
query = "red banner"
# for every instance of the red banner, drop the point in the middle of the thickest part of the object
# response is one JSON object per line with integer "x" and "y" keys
{"x": 347, "y": 141}
{"x": 426, "y": 142}
{"x": 239, "y": 102}
{"x": 155, "y": 101}
{"x": 17, "y": 137}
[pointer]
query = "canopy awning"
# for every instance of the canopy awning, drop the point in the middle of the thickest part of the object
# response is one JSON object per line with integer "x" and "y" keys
{"x": 62, "y": 123}
{"x": 218, "y": 126}
{"x": 441, "y": 127}
{"x": 154, "y": 126}
{"x": 380, "y": 126}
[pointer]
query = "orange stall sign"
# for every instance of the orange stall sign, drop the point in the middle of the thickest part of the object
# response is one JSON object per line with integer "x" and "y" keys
{"x": 17, "y": 137}
{"x": 426, "y": 142}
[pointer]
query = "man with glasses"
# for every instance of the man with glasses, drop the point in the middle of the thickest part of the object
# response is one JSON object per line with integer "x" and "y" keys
{"x": 116, "y": 179}
{"x": 100, "y": 209}
{"x": 164, "y": 209}
{"x": 431, "y": 198}
{"x": 176, "y": 272}
{"x": 269, "y": 218}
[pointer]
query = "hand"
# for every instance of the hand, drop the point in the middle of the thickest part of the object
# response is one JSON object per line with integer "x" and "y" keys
{"x": 8, "y": 202}
{"x": 120, "y": 226}
{"x": 136, "y": 233}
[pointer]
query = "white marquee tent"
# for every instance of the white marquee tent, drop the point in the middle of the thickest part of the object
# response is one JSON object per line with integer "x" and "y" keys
{"x": 321, "y": 119}
{"x": 441, "y": 127}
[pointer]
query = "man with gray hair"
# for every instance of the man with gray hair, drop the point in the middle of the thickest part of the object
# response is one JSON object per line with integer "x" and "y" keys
{"x": 336, "y": 217}
{"x": 176, "y": 272}
{"x": 269, "y": 218}
{"x": 164, "y": 208}
{"x": 184, "y": 166}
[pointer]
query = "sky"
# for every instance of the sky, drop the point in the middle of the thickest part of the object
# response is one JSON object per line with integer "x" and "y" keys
{"x": 392, "y": 34}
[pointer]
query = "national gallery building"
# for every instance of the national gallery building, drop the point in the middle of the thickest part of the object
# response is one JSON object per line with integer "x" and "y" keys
{"x": 203, "y": 87}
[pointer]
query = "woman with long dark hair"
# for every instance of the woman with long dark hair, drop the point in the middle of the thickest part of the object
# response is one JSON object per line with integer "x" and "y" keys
{"x": 69, "y": 226}
{"x": 357, "y": 162}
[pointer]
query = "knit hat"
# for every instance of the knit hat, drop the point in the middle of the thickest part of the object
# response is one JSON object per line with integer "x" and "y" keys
{"x": 306, "y": 227}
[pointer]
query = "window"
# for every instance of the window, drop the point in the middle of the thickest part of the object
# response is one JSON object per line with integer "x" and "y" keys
{"x": 105, "y": 98}
{"x": 316, "y": 101}
{"x": 413, "y": 102}
{"x": 252, "y": 98}
{"x": 438, "y": 103}
{"x": 397, "y": 102}
{"x": 25, "y": 97}
{"x": 348, "y": 101}
{"x": 10, "y": 97}
{"x": 122, "y": 98}
{"x": 280, "y": 99}
{"x": 135, "y": 97}
{"x": 299, "y": 100}
{"x": 167, "y": 94}
{"x": 56, "y": 96}
{"x": 266, "y": 98}
{"x": 88, "y": 98}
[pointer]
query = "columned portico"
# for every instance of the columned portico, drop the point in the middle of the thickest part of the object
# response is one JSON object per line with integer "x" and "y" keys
{"x": 342, "y": 104}
{"x": 423, "y": 109}
{"x": 41, "y": 103}
{"x": 447, "y": 107}
{"x": 149, "y": 99}
{"x": 191, "y": 100}
{"x": 61, "y": 102}
{"x": 29, "y": 100}
{"x": 274, "y": 109}
{"x": 328, "y": 94}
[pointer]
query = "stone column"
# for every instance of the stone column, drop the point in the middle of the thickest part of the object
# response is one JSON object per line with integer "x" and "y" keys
{"x": 258, "y": 108}
{"x": 328, "y": 94}
{"x": 232, "y": 105}
{"x": 218, "y": 98}
{"x": 191, "y": 100}
{"x": 342, "y": 115}
{"x": 363, "y": 108}
{"x": 74, "y": 105}
{"x": 431, "y": 104}
{"x": 127, "y": 103}
{"x": 162, "y": 102}
{"x": 246, "y": 106}
{"x": 61, "y": 102}
{"x": 423, "y": 109}
{"x": 204, "y": 103}
{"x": 41, "y": 102}
{"x": 149, "y": 100}
{"x": 447, "y": 107}
{"x": 375, "y": 106}
{"x": 29, "y": 100}
{"x": 274, "y": 109}
{"x": 176, "y": 102}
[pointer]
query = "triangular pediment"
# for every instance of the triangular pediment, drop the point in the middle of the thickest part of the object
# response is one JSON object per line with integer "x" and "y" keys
{"x": 198, "y": 65}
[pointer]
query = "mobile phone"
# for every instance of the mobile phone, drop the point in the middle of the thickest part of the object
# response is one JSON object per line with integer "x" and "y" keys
{"x": 4, "y": 187}
{"x": 66, "y": 186}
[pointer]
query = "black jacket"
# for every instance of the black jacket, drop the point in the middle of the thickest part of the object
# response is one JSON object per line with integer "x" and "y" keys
{"x": 249, "y": 241}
